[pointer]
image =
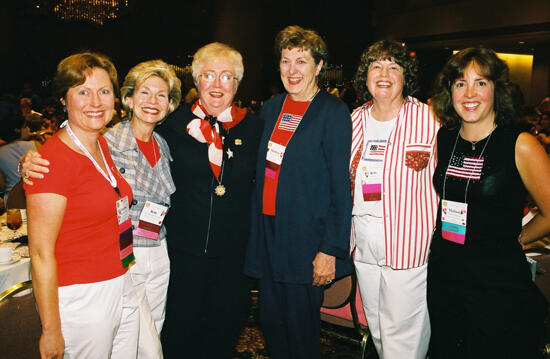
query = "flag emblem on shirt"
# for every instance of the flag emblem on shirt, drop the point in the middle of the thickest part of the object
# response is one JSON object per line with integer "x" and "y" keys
{"x": 289, "y": 122}
{"x": 376, "y": 150}
{"x": 465, "y": 167}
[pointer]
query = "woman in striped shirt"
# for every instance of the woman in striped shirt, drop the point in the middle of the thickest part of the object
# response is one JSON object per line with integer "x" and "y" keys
{"x": 394, "y": 203}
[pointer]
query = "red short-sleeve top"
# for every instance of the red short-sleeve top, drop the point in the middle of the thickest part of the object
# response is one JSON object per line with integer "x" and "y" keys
{"x": 87, "y": 248}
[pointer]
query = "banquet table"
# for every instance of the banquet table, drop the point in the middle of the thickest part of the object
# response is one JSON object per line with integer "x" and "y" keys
{"x": 19, "y": 270}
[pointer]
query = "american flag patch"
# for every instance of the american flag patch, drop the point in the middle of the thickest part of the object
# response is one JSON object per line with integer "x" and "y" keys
{"x": 289, "y": 122}
{"x": 465, "y": 167}
{"x": 376, "y": 150}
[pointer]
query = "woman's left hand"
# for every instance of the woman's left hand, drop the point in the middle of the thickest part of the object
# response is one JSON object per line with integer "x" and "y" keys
{"x": 324, "y": 269}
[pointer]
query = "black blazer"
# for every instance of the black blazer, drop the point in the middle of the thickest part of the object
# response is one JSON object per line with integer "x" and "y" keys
{"x": 313, "y": 203}
{"x": 199, "y": 222}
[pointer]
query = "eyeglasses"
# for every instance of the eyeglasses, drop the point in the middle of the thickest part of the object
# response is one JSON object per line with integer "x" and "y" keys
{"x": 224, "y": 77}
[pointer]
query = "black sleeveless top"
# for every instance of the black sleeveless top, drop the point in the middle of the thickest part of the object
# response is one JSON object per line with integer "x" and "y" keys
{"x": 491, "y": 255}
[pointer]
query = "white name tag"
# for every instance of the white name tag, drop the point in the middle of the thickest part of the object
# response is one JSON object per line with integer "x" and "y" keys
{"x": 122, "y": 210}
{"x": 153, "y": 213}
{"x": 275, "y": 152}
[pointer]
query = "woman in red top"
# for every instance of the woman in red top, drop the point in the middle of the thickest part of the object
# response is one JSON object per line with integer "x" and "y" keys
{"x": 79, "y": 229}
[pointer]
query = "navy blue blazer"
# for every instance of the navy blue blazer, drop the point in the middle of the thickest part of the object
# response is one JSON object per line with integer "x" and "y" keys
{"x": 313, "y": 203}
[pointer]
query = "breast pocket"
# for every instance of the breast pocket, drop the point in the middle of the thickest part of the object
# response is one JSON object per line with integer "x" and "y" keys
{"x": 417, "y": 155}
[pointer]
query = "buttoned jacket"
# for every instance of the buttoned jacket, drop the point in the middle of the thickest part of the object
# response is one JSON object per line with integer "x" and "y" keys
{"x": 313, "y": 201}
{"x": 149, "y": 184}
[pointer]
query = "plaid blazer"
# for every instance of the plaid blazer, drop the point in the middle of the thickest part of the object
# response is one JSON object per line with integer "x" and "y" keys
{"x": 149, "y": 184}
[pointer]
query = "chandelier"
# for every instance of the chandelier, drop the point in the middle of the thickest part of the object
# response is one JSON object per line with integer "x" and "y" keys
{"x": 94, "y": 11}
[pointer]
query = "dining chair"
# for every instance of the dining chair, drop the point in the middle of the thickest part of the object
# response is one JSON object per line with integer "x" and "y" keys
{"x": 342, "y": 306}
{"x": 16, "y": 198}
{"x": 20, "y": 327}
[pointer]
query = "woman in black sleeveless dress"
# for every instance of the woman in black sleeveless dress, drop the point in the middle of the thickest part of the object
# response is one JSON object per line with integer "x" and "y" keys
{"x": 481, "y": 298}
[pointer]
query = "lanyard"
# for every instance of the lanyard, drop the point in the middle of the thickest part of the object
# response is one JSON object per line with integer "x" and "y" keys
{"x": 109, "y": 175}
{"x": 450, "y": 159}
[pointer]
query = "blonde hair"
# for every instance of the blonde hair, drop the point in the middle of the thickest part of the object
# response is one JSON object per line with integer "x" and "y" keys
{"x": 217, "y": 51}
{"x": 141, "y": 72}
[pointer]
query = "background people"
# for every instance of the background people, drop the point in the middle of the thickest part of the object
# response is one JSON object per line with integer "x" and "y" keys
{"x": 302, "y": 206}
{"x": 478, "y": 278}
{"x": 214, "y": 145}
{"x": 79, "y": 250}
{"x": 394, "y": 202}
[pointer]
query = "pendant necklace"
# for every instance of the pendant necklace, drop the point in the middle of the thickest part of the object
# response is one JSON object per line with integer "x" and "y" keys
{"x": 220, "y": 188}
{"x": 474, "y": 143}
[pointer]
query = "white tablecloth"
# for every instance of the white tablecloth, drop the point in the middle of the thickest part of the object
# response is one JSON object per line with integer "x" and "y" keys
{"x": 14, "y": 273}
{"x": 19, "y": 271}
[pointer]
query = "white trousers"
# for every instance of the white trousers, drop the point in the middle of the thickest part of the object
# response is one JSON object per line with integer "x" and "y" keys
{"x": 100, "y": 320}
{"x": 394, "y": 301}
{"x": 150, "y": 276}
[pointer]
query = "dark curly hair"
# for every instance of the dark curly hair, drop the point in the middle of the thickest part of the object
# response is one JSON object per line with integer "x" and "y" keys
{"x": 490, "y": 67}
{"x": 297, "y": 37}
{"x": 387, "y": 50}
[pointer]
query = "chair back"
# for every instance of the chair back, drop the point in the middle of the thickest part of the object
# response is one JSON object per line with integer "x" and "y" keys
{"x": 20, "y": 327}
{"x": 338, "y": 294}
{"x": 17, "y": 198}
{"x": 342, "y": 306}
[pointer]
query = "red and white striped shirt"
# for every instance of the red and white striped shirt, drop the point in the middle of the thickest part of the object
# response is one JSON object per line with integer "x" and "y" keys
{"x": 409, "y": 198}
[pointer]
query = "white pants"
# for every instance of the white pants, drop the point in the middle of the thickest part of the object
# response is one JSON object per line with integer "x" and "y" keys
{"x": 150, "y": 276}
{"x": 394, "y": 301}
{"x": 100, "y": 320}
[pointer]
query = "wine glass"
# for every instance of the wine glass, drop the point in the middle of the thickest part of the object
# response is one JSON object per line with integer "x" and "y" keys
{"x": 13, "y": 219}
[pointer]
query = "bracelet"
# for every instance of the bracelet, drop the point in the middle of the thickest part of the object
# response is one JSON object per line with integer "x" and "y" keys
{"x": 19, "y": 169}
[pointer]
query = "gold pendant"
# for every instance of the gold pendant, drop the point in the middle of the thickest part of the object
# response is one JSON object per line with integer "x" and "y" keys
{"x": 219, "y": 190}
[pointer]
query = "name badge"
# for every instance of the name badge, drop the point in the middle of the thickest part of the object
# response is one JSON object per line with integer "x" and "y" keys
{"x": 275, "y": 152}
{"x": 453, "y": 221}
{"x": 150, "y": 220}
{"x": 125, "y": 237}
{"x": 371, "y": 182}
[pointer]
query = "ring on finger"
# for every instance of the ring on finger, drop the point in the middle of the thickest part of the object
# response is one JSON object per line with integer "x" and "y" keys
{"x": 26, "y": 175}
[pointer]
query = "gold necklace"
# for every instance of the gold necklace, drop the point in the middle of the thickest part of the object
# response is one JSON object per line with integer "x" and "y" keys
{"x": 220, "y": 188}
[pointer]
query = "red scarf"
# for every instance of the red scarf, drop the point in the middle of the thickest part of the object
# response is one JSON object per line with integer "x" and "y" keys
{"x": 205, "y": 129}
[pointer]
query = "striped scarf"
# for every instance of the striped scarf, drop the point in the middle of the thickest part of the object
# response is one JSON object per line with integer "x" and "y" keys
{"x": 206, "y": 129}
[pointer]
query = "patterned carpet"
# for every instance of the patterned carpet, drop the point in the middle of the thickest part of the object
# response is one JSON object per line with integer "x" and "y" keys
{"x": 336, "y": 342}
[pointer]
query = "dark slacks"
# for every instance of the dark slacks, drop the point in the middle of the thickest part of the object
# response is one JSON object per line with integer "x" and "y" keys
{"x": 290, "y": 318}
{"x": 208, "y": 300}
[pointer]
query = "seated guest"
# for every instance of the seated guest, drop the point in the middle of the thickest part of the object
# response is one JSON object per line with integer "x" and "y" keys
{"x": 11, "y": 153}
{"x": 482, "y": 301}
{"x": 25, "y": 105}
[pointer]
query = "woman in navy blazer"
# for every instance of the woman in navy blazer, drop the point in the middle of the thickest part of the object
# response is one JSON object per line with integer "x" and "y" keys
{"x": 301, "y": 215}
